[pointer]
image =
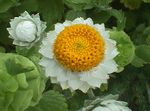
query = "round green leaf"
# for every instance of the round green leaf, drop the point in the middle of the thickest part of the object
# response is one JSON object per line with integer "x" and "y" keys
{"x": 125, "y": 47}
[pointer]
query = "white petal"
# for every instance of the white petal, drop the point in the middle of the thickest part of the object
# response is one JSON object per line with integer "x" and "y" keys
{"x": 59, "y": 27}
{"x": 61, "y": 75}
{"x": 111, "y": 50}
{"x": 84, "y": 87}
{"x": 11, "y": 32}
{"x": 74, "y": 84}
{"x": 113, "y": 107}
{"x": 16, "y": 42}
{"x": 91, "y": 80}
{"x": 45, "y": 41}
{"x": 44, "y": 61}
{"x": 52, "y": 69}
{"x": 88, "y": 21}
{"x": 99, "y": 73}
{"x": 54, "y": 80}
{"x": 51, "y": 36}
{"x": 101, "y": 108}
{"x": 101, "y": 29}
{"x": 64, "y": 85}
{"x": 47, "y": 51}
{"x": 73, "y": 75}
{"x": 109, "y": 66}
{"x": 67, "y": 23}
{"x": 47, "y": 45}
{"x": 79, "y": 20}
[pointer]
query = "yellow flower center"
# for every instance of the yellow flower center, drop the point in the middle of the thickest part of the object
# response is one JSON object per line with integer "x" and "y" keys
{"x": 79, "y": 47}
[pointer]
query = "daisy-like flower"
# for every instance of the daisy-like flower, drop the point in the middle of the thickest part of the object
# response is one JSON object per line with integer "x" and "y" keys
{"x": 26, "y": 30}
{"x": 78, "y": 54}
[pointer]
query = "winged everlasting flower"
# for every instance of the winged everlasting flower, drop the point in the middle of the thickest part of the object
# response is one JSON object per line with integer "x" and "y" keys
{"x": 105, "y": 103}
{"x": 79, "y": 54}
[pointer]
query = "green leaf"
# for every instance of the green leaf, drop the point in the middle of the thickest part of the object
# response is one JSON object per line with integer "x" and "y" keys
{"x": 36, "y": 108}
{"x": 51, "y": 101}
{"x": 6, "y": 4}
{"x": 143, "y": 51}
{"x": 121, "y": 19}
{"x": 7, "y": 83}
{"x": 148, "y": 40}
{"x": 132, "y": 4}
{"x": 99, "y": 16}
{"x": 146, "y": 1}
{"x": 4, "y": 40}
{"x": 22, "y": 100}
{"x": 2, "y": 49}
{"x": 21, "y": 84}
{"x": 125, "y": 47}
{"x": 76, "y": 101}
{"x": 130, "y": 20}
{"x": 138, "y": 62}
{"x": 71, "y": 15}
{"x": 79, "y": 5}
{"x": 28, "y": 5}
{"x": 51, "y": 10}
{"x": 15, "y": 66}
{"x": 104, "y": 2}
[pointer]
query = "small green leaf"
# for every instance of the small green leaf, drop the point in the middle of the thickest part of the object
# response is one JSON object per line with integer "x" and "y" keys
{"x": 143, "y": 51}
{"x": 71, "y": 15}
{"x": 125, "y": 47}
{"x": 4, "y": 40}
{"x": 146, "y": 1}
{"x": 6, "y": 4}
{"x": 51, "y": 10}
{"x": 104, "y": 87}
{"x": 101, "y": 16}
{"x": 2, "y": 49}
{"x": 132, "y": 4}
{"x": 138, "y": 62}
{"x": 104, "y": 2}
{"x": 51, "y": 101}
{"x": 79, "y": 5}
{"x": 28, "y": 5}
{"x": 15, "y": 66}
{"x": 148, "y": 40}
{"x": 119, "y": 15}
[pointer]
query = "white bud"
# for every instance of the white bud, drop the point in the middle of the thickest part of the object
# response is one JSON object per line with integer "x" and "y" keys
{"x": 26, "y": 31}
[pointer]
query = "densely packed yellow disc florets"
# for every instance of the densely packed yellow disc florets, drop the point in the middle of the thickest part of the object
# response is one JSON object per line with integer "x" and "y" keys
{"x": 79, "y": 47}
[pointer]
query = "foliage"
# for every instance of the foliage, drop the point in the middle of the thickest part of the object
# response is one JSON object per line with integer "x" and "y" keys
{"x": 51, "y": 101}
{"x": 21, "y": 83}
{"x": 21, "y": 80}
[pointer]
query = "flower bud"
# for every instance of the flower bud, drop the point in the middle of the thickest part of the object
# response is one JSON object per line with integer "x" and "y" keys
{"x": 105, "y": 103}
{"x": 26, "y": 30}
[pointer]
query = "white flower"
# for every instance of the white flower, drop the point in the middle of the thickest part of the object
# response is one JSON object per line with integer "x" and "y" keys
{"x": 112, "y": 105}
{"x": 26, "y": 30}
{"x": 105, "y": 103}
{"x": 78, "y": 54}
